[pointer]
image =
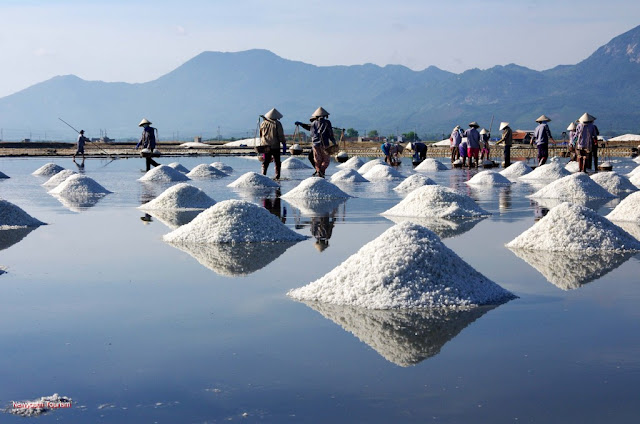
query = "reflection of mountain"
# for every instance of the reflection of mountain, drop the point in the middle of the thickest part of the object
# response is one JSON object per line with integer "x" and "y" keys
{"x": 79, "y": 202}
{"x": 235, "y": 259}
{"x": 405, "y": 337}
{"x": 571, "y": 270}
{"x": 316, "y": 207}
{"x": 173, "y": 218}
{"x": 12, "y": 236}
{"x": 444, "y": 228}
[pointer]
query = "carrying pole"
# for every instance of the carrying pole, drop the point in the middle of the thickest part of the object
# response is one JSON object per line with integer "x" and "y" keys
{"x": 104, "y": 151}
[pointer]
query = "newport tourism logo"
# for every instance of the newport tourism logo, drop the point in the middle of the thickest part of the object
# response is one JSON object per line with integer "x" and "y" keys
{"x": 41, "y": 405}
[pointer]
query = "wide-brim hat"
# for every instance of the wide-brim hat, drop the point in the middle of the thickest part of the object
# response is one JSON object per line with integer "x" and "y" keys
{"x": 474, "y": 124}
{"x": 571, "y": 127}
{"x": 483, "y": 131}
{"x": 587, "y": 118}
{"x": 456, "y": 128}
{"x": 320, "y": 112}
{"x": 543, "y": 118}
{"x": 144, "y": 122}
{"x": 503, "y": 125}
{"x": 273, "y": 114}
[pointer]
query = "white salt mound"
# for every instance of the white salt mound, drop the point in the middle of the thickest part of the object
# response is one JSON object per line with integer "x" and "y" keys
{"x": 58, "y": 178}
{"x": 234, "y": 221}
{"x": 179, "y": 167}
{"x": 413, "y": 182}
{"x": 222, "y": 167}
{"x": 635, "y": 180}
{"x": 3, "y": 175}
{"x": 613, "y": 182}
{"x": 48, "y": 170}
{"x": 516, "y": 170}
{"x": 163, "y": 173}
{"x": 12, "y": 216}
{"x": 489, "y": 178}
{"x": 634, "y": 171}
{"x": 348, "y": 175}
{"x": 294, "y": 163}
{"x": 430, "y": 165}
{"x": 382, "y": 172}
{"x": 181, "y": 196}
{"x": 435, "y": 277}
{"x": 574, "y": 227}
{"x": 36, "y": 407}
{"x": 636, "y": 159}
{"x": 353, "y": 163}
{"x": 253, "y": 180}
{"x": 367, "y": 166}
{"x": 206, "y": 171}
{"x": 434, "y": 201}
{"x": 572, "y": 166}
{"x": 549, "y": 171}
{"x": 79, "y": 185}
{"x": 316, "y": 188}
{"x": 574, "y": 186}
{"x": 627, "y": 210}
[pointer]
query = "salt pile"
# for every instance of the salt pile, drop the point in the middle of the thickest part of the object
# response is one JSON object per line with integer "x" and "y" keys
{"x": 353, "y": 163}
{"x": 489, "y": 178}
{"x": 3, "y": 175}
{"x": 435, "y": 277}
{"x": 516, "y": 170}
{"x": 253, "y": 180}
{"x": 234, "y": 221}
{"x": 294, "y": 163}
{"x": 205, "y": 171}
{"x": 178, "y": 167}
{"x": 181, "y": 196}
{"x": 434, "y": 201}
{"x": 12, "y": 216}
{"x": 413, "y": 182}
{"x": 222, "y": 167}
{"x": 574, "y": 186}
{"x": 636, "y": 159}
{"x": 613, "y": 182}
{"x": 348, "y": 175}
{"x": 572, "y": 166}
{"x": 367, "y": 166}
{"x": 634, "y": 171}
{"x": 48, "y": 170}
{"x": 316, "y": 188}
{"x": 58, "y": 178}
{"x": 382, "y": 173}
{"x": 635, "y": 180}
{"x": 430, "y": 165}
{"x": 43, "y": 405}
{"x": 172, "y": 218}
{"x": 163, "y": 174}
{"x": 443, "y": 227}
{"x": 574, "y": 227}
{"x": 549, "y": 171}
{"x": 627, "y": 210}
{"x": 79, "y": 185}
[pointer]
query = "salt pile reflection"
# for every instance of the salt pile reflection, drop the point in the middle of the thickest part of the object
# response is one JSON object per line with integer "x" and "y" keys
{"x": 444, "y": 228}
{"x": 11, "y": 236}
{"x": 173, "y": 218}
{"x": 403, "y": 337}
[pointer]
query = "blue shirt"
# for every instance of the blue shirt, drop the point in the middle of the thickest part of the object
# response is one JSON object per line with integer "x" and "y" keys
{"x": 473, "y": 138}
{"x": 322, "y": 133}
{"x": 542, "y": 134}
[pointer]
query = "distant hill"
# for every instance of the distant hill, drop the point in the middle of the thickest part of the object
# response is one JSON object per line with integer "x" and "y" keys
{"x": 229, "y": 90}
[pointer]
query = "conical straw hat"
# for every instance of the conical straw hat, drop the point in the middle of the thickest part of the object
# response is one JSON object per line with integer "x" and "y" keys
{"x": 273, "y": 114}
{"x": 503, "y": 125}
{"x": 571, "y": 127}
{"x": 587, "y": 118}
{"x": 456, "y": 128}
{"x": 474, "y": 124}
{"x": 320, "y": 112}
{"x": 543, "y": 118}
{"x": 143, "y": 122}
{"x": 483, "y": 131}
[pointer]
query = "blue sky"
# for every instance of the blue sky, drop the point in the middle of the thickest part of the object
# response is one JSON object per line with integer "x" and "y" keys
{"x": 140, "y": 40}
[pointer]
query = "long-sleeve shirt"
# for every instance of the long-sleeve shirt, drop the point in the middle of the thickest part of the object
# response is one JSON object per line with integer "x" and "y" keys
{"x": 586, "y": 133}
{"x": 507, "y": 137}
{"x": 473, "y": 138}
{"x": 542, "y": 134}
{"x": 81, "y": 140}
{"x": 271, "y": 133}
{"x": 322, "y": 133}
{"x": 455, "y": 138}
{"x": 148, "y": 138}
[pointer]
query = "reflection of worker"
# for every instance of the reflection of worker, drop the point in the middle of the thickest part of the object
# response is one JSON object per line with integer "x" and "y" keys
{"x": 80, "y": 147}
{"x": 148, "y": 142}
{"x": 273, "y": 205}
{"x": 321, "y": 229}
{"x": 146, "y": 218}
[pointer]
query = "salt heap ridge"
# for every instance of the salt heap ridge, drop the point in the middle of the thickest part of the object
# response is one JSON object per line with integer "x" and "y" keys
{"x": 367, "y": 166}
{"x": 382, "y": 173}
{"x": 253, "y": 180}
{"x": 12, "y": 217}
{"x": 179, "y": 167}
{"x": 48, "y": 170}
{"x": 206, "y": 171}
{"x": 489, "y": 178}
{"x": 316, "y": 188}
{"x": 570, "y": 227}
{"x": 574, "y": 186}
{"x": 628, "y": 209}
{"x": 435, "y": 277}
{"x": 614, "y": 183}
{"x": 354, "y": 163}
{"x": 163, "y": 174}
{"x": 58, "y": 178}
{"x": 233, "y": 221}
{"x": 222, "y": 167}
{"x": 294, "y": 163}
{"x": 434, "y": 201}
{"x": 79, "y": 185}
{"x": 516, "y": 170}
{"x": 549, "y": 171}
{"x": 413, "y": 182}
{"x": 431, "y": 165}
{"x": 348, "y": 175}
{"x": 181, "y": 196}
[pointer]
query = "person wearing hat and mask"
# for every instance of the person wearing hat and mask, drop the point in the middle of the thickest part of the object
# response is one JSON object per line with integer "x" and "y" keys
{"x": 272, "y": 136}
{"x": 473, "y": 143}
{"x": 419, "y": 150}
{"x": 507, "y": 139}
{"x": 586, "y": 136}
{"x": 455, "y": 139}
{"x": 148, "y": 142}
{"x": 572, "y": 141}
{"x": 541, "y": 136}
{"x": 321, "y": 138}
{"x": 484, "y": 142}
{"x": 80, "y": 148}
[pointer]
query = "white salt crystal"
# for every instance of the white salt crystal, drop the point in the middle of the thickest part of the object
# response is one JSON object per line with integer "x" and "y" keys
{"x": 348, "y": 175}
{"x": 163, "y": 173}
{"x": 430, "y": 165}
{"x": 572, "y": 166}
{"x": 489, "y": 178}
{"x": 181, "y": 196}
{"x": 549, "y": 171}
{"x": 574, "y": 186}
{"x": 614, "y": 183}
{"x": 434, "y": 201}
{"x": 316, "y": 188}
{"x": 413, "y": 182}
{"x": 627, "y": 210}
{"x": 178, "y": 167}
{"x": 222, "y": 167}
{"x": 253, "y": 180}
{"x": 48, "y": 170}
{"x": 12, "y": 216}
{"x": 353, "y": 163}
{"x": 367, "y": 166}
{"x": 382, "y": 172}
{"x": 79, "y": 184}
{"x": 516, "y": 170}
{"x": 294, "y": 163}
{"x": 206, "y": 171}
{"x": 58, "y": 178}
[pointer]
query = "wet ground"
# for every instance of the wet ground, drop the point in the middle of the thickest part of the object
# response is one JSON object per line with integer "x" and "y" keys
{"x": 96, "y": 307}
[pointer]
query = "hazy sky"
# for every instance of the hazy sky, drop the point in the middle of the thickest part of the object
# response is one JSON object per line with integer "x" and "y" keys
{"x": 140, "y": 40}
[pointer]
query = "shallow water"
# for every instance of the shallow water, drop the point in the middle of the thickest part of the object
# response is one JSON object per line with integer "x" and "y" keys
{"x": 95, "y": 306}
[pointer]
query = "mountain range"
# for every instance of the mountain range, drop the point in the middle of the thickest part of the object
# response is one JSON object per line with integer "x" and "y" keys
{"x": 224, "y": 93}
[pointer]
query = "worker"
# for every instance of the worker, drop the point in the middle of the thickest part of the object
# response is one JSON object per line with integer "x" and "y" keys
{"x": 272, "y": 137}
{"x": 507, "y": 139}
{"x": 541, "y": 136}
{"x": 80, "y": 146}
{"x": 473, "y": 143}
{"x": 148, "y": 142}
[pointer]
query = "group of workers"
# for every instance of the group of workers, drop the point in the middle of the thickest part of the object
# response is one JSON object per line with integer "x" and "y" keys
{"x": 472, "y": 144}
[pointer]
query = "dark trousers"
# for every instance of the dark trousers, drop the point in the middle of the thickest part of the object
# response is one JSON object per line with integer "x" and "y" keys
{"x": 150, "y": 161}
{"x": 275, "y": 154}
{"x": 507, "y": 156}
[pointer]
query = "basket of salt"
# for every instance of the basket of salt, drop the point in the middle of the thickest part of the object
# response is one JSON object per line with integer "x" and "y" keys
{"x": 342, "y": 156}
{"x": 295, "y": 149}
